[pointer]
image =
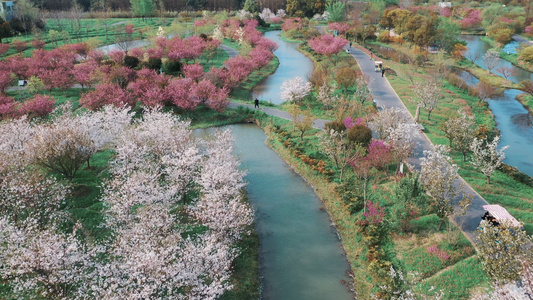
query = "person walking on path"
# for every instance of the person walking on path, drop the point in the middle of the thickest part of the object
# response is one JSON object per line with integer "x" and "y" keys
{"x": 382, "y": 71}
{"x": 371, "y": 55}
{"x": 350, "y": 44}
{"x": 256, "y": 103}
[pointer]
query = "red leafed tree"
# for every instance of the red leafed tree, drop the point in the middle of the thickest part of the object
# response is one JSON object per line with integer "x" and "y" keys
{"x": 193, "y": 71}
{"x": 39, "y": 106}
{"x": 327, "y": 45}
{"x": 105, "y": 94}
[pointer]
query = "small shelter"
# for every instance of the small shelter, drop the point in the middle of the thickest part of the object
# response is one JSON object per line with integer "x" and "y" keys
{"x": 498, "y": 214}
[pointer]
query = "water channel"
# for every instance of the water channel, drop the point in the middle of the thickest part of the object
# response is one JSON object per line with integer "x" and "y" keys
{"x": 292, "y": 63}
{"x": 513, "y": 120}
{"x": 301, "y": 255}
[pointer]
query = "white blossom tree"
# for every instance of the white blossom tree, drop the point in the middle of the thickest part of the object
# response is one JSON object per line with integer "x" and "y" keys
{"x": 438, "y": 175}
{"x": 403, "y": 139}
{"x": 427, "y": 96}
{"x": 40, "y": 262}
{"x": 487, "y": 157}
{"x": 491, "y": 59}
{"x": 388, "y": 119}
{"x": 295, "y": 89}
{"x": 461, "y": 131}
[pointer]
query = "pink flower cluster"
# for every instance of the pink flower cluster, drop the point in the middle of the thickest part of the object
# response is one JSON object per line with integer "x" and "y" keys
{"x": 374, "y": 214}
{"x": 290, "y": 24}
{"x": 341, "y": 28}
{"x": 327, "y": 44}
{"x": 434, "y": 250}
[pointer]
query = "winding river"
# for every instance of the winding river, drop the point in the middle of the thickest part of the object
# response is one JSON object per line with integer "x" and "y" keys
{"x": 301, "y": 255}
{"x": 292, "y": 63}
{"x": 513, "y": 120}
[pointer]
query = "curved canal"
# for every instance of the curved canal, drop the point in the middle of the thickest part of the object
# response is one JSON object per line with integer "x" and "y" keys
{"x": 512, "y": 118}
{"x": 292, "y": 63}
{"x": 301, "y": 256}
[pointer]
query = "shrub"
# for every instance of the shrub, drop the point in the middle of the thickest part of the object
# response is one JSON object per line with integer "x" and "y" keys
{"x": 384, "y": 36}
{"x": 335, "y": 125}
{"x": 173, "y": 67}
{"x": 360, "y": 134}
{"x": 154, "y": 63}
{"x": 527, "y": 53}
{"x": 131, "y": 61}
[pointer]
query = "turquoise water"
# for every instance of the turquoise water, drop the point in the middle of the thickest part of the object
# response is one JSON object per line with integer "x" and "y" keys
{"x": 301, "y": 255}
{"x": 292, "y": 63}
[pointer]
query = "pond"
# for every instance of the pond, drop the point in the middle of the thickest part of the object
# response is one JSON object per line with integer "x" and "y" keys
{"x": 301, "y": 256}
{"x": 292, "y": 63}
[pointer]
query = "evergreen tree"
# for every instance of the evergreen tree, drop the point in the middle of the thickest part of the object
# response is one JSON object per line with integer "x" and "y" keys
{"x": 251, "y": 6}
{"x": 142, "y": 8}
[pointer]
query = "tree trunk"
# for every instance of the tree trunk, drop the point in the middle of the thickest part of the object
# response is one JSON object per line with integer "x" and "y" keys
{"x": 488, "y": 179}
{"x": 440, "y": 224}
{"x": 429, "y": 115}
{"x": 417, "y": 114}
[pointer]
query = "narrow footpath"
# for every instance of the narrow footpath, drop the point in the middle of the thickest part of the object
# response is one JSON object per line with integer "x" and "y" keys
{"x": 386, "y": 97}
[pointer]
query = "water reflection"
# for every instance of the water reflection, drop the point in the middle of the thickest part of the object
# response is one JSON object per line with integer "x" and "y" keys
{"x": 292, "y": 63}
{"x": 301, "y": 256}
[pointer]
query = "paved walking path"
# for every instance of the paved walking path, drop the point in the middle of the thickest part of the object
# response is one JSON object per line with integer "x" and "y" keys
{"x": 386, "y": 97}
{"x": 318, "y": 123}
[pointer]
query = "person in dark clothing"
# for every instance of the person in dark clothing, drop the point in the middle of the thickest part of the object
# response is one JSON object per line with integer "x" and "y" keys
{"x": 382, "y": 72}
{"x": 256, "y": 103}
{"x": 350, "y": 44}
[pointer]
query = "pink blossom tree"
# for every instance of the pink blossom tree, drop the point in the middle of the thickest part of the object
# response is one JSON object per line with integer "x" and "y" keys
{"x": 6, "y": 77}
{"x": 105, "y": 94}
{"x": 39, "y": 106}
{"x": 181, "y": 93}
{"x": 194, "y": 71}
{"x": 341, "y": 28}
{"x": 85, "y": 73}
{"x": 327, "y": 45}
{"x": 4, "y": 48}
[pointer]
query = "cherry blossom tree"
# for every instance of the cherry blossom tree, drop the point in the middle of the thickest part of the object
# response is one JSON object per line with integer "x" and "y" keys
{"x": 461, "y": 131}
{"x": 438, "y": 175}
{"x": 388, "y": 119}
{"x": 39, "y": 106}
{"x": 341, "y": 28}
{"x": 62, "y": 147}
{"x": 6, "y": 77}
{"x": 403, "y": 138}
{"x": 40, "y": 262}
{"x": 294, "y": 90}
{"x": 327, "y": 45}
{"x": 428, "y": 95}
{"x": 507, "y": 71}
{"x": 487, "y": 157}
{"x": 193, "y": 71}
{"x": 85, "y": 73}
{"x": 491, "y": 59}
{"x": 105, "y": 94}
